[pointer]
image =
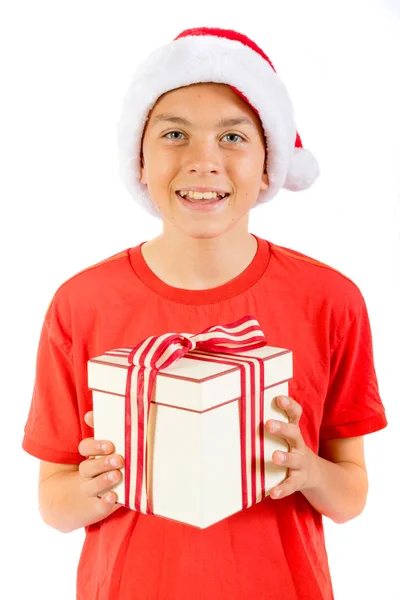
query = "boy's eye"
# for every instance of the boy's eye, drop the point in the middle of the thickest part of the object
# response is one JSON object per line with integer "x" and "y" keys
{"x": 236, "y": 135}
{"x": 170, "y": 133}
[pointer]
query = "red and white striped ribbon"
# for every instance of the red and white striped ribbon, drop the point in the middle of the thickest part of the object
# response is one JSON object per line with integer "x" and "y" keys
{"x": 222, "y": 344}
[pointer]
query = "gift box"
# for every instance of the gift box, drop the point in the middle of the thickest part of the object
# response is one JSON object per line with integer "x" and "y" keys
{"x": 187, "y": 413}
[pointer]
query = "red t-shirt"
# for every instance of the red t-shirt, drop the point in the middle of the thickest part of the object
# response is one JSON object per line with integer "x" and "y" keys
{"x": 274, "y": 550}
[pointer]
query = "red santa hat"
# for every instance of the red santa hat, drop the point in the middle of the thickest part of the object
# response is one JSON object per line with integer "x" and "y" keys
{"x": 207, "y": 54}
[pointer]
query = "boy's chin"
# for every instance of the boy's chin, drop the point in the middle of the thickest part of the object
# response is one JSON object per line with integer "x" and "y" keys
{"x": 206, "y": 229}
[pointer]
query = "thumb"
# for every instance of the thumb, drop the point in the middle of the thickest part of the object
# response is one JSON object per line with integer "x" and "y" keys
{"x": 89, "y": 418}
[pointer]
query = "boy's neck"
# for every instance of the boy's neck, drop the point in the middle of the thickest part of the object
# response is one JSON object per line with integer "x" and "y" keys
{"x": 196, "y": 264}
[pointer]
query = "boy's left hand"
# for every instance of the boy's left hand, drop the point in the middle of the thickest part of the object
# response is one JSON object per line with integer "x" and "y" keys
{"x": 300, "y": 460}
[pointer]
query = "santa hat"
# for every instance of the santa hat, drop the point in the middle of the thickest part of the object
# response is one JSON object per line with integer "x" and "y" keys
{"x": 208, "y": 54}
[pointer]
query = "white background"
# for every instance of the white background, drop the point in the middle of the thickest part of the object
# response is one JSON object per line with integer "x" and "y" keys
{"x": 65, "y": 69}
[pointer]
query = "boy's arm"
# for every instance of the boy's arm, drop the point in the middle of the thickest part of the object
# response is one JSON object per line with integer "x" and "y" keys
{"x": 336, "y": 486}
{"x": 63, "y": 505}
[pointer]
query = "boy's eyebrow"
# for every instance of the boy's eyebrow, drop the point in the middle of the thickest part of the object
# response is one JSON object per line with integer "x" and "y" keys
{"x": 222, "y": 123}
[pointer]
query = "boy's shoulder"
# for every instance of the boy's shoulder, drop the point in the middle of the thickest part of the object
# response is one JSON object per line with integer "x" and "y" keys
{"x": 316, "y": 278}
{"x": 99, "y": 269}
{"x": 305, "y": 260}
{"x": 95, "y": 278}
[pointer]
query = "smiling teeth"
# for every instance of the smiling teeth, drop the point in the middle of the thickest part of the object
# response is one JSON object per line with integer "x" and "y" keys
{"x": 201, "y": 196}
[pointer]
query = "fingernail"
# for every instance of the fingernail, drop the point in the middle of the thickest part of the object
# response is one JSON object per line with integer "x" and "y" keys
{"x": 277, "y": 493}
{"x": 281, "y": 457}
{"x": 104, "y": 447}
{"x": 285, "y": 401}
{"x": 274, "y": 426}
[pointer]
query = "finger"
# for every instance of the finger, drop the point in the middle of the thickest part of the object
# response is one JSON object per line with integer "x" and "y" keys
{"x": 291, "y": 460}
{"x": 89, "y": 420}
{"x": 92, "y": 468}
{"x": 289, "y": 486}
{"x": 108, "y": 504}
{"x": 92, "y": 447}
{"x": 102, "y": 483}
{"x": 288, "y": 431}
{"x": 292, "y": 408}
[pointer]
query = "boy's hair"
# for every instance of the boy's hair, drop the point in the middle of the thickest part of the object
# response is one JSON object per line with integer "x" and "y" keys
{"x": 205, "y": 55}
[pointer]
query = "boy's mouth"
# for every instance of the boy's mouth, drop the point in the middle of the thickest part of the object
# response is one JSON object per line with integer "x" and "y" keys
{"x": 195, "y": 196}
{"x": 202, "y": 201}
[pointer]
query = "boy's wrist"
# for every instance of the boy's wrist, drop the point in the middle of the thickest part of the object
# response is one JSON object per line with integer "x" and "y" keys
{"x": 314, "y": 472}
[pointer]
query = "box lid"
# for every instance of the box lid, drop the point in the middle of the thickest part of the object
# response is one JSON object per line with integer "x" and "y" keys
{"x": 190, "y": 383}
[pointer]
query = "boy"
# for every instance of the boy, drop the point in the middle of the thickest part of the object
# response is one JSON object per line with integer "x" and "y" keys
{"x": 206, "y": 134}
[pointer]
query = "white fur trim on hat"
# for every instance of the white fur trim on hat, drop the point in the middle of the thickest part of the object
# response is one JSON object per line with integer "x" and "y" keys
{"x": 303, "y": 170}
{"x": 197, "y": 59}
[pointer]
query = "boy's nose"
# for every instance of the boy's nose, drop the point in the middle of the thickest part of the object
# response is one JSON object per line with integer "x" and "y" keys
{"x": 204, "y": 157}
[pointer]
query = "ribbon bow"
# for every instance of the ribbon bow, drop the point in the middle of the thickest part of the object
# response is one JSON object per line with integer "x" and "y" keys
{"x": 220, "y": 343}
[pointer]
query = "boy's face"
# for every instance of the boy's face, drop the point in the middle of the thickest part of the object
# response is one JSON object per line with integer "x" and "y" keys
{"x": 201, "y": 152}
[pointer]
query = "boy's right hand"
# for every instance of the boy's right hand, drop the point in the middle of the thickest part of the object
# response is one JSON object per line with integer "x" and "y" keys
{"x": 97, "y": 471}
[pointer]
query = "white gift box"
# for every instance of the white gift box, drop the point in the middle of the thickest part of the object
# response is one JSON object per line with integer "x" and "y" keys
{"x": 194, "y": 469}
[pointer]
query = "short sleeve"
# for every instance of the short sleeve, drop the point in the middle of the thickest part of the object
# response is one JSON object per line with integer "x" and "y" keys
{"x": 353, "y": 406}
{"x": 52, "y": 431}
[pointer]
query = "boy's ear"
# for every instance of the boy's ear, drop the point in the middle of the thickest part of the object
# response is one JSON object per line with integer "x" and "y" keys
{"x": 264, "y": 180}
{"x": 143, "y": 178}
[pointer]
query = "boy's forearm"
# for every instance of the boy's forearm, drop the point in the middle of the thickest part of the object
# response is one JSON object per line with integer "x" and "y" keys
{"x": 337, "y": 490}
{"x": 64, "y": 507}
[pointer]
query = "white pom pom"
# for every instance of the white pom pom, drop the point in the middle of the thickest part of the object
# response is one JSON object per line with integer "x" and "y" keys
{"x": 302, "y": 172}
